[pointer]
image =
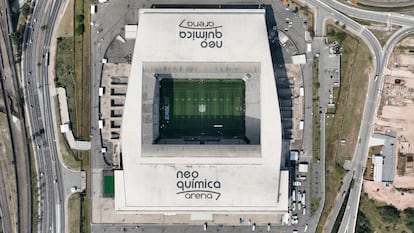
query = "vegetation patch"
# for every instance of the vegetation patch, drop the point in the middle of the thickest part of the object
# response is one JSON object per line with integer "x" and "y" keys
{"x": 402, "y": 163}
{"x": 374, "y": 216}
{"x": 378, "y": 8}
{"x": 341, "y": 213}
{"x": 316, "y": 131}
{"x": 69, "y": 158}
{"x": 383, "y": 36}
{"x": 74, "y": 213}
{"x": 72, "y": 73}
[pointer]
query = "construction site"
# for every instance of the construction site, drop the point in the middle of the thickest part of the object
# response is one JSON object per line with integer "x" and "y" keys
{"x": 395, "y": 114}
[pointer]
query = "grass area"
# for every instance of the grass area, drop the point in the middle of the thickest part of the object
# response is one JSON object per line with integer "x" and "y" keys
{"x": 72, "y": 73}
{"x": 316, "y": 130}
{"x": 72, "y": 70}
{"x": 384, "y": 36}
{"x": 374, "y": 216}
{"x": 19, "y": 18}
{"x": 74, "y": 213}
{"x": 314, "y": 205}
{"x": 109, "y": 185}
{"x": 335, "y": 95}
{"x": 66, "y": 26}
{"x": 381, "y": 35}
{"x": 34, "y": 188}
{"x": 81, "y": 57}
{"x": 8, "y": 171}
{"x": 345, "y": 123}
{"x": 366, "y": 22}
{"x": 202, "y": 107}
{"x": 376, "y": 8}
{"x": 85, "y": 226}
{"x": 386, "y": 9}
{"x": 69, "y": 158}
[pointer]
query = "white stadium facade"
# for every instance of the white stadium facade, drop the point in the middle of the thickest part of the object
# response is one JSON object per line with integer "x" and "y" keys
{"x": 201, "y": 178}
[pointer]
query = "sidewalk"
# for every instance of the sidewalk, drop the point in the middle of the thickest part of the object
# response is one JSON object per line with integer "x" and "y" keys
{"x": 65, "y": 127}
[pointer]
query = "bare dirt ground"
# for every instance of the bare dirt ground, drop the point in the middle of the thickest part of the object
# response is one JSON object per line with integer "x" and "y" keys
{"x": 8, "y": 201}
{"x": 389, "y": 195}
{"x": 295, "y": 77}
{"x": 65, "y": 28}
{"x": 396, "y": 113}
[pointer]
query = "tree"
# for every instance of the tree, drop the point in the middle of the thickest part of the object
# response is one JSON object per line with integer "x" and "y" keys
{"x": 80, "y": 18}
{"x": 25, "y": 9}
{"x": 80, "y": 29}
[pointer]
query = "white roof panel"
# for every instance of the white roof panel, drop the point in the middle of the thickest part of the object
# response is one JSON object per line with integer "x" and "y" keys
{"x": 202, "y": 184}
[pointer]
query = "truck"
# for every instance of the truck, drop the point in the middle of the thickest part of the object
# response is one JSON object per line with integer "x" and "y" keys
{"x": 101, "y": 91}
{"x": 303, "y": 198}
{"x": 301, "y": 124}
{"x": 93, "y": 9}
{"x": 293, "y": 196}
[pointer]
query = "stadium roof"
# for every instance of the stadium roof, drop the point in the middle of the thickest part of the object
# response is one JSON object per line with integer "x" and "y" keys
{"x": 179, "y": 182}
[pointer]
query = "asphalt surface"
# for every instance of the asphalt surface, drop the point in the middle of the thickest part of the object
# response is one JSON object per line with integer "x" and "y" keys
{"x": 36, "y": 90}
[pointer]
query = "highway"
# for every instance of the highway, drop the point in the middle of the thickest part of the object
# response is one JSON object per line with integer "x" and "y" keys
{"x": 36, "y": 91}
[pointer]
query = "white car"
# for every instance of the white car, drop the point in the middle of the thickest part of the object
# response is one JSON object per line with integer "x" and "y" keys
{"x": 295, "y": 220}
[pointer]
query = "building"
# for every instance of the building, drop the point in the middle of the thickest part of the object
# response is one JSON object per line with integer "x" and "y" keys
{"x": 182, "y": 151}
{"x": 384, "y": 163}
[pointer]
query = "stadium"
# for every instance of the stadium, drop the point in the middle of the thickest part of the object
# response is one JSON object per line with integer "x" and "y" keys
{"x": 201, "y": 129}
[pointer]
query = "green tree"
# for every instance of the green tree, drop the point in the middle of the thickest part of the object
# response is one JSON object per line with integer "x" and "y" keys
{"x": 363, "y": 225}
{"x": 80, "y": 29}
{"x": 25, "y": 9}
{"x": 80, "y": 18}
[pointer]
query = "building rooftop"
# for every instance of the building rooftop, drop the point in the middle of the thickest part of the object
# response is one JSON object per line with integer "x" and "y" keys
{"x": 388, "y": 153}
{"x": 208, "y": 179}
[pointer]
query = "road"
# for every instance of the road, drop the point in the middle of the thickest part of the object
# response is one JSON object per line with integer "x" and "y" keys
{"x": 36, "y": 91}
{"x": 372, "y": 99}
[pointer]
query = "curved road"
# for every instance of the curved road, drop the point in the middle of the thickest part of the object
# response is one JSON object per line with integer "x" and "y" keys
{"x": 36, "y": 81}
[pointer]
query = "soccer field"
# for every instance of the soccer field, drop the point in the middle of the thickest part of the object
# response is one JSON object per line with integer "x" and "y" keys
{"x": 202, "y": 108}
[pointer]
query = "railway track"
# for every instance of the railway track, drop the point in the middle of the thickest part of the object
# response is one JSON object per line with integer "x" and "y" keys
{"x": 14, "y": 111}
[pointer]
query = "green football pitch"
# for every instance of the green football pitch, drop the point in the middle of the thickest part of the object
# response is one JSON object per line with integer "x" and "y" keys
{"x": 202, "y": 108}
